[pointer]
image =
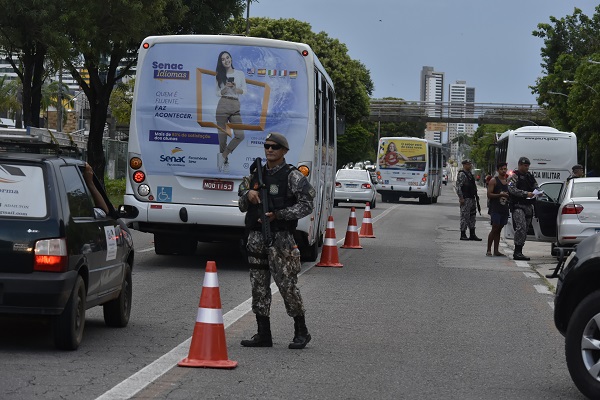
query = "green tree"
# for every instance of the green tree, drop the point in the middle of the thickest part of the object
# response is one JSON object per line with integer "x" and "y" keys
{"x": 483, "y": 145}
{"x": 352, "y": 145}
{"x": 9, "y": 97}
{"x": 569, "y": 43}
{"x": 121, "y": 101}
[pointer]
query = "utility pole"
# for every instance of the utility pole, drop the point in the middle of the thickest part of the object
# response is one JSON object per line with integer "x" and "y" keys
{"x": 59, "y": 101}
{"x": 248, "y": 18}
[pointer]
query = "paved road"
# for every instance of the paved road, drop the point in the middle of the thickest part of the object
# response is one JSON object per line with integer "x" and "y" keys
{"x": 416, "y": 313}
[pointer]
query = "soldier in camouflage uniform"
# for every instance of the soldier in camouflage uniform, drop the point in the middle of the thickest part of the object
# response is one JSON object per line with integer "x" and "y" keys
{"x": 521, "y": 185}
{"x": 466, "y": 189}
{"x": 290, "y": 198}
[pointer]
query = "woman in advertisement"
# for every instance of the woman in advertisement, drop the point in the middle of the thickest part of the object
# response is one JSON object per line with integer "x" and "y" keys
{"x": 392, "y": 156}
{"x": 231, "y": 83}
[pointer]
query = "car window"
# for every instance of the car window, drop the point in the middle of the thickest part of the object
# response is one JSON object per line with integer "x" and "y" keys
{"x": 585, "y": 189}
{"x": 352, "y": 174}
{"x": 80, "y": 203}
{"x": 551, "y": 191}
{"x": 22, "y": 191}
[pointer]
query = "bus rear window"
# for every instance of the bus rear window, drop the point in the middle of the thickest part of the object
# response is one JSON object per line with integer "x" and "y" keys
{"x": 22, "y": 191}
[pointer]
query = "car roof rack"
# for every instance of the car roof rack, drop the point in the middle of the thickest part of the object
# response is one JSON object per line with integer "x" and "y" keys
{"x": 14, "y": 145}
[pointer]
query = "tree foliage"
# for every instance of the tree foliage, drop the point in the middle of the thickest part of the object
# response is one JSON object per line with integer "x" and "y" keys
{"x": 570, "y": 88}
{"x": 353, "y": 145}
{"x": 483, "y": 146}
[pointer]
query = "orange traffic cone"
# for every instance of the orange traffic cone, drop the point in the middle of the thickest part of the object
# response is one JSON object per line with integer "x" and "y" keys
{"x": 329, "y": 255}
{"x": 366, "y": 228}
{"x": 351, "y": 240}
{"x": 209, "y": 348}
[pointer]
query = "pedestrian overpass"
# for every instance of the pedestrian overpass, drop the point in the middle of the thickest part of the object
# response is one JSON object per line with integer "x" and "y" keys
{"x": 457, "y": 112}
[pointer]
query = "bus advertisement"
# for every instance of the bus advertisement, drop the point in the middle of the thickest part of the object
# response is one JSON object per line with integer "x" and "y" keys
{"x": 202, "y": 108}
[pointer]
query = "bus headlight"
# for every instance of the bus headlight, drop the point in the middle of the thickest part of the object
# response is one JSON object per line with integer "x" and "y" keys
{"x": 144, "y": 190}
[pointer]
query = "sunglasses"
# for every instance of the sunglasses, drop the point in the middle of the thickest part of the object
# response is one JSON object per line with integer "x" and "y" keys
{"x": 273, "y": 146}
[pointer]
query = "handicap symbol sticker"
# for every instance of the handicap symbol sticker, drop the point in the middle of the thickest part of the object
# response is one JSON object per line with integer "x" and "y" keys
{"x": 164, "y": 194}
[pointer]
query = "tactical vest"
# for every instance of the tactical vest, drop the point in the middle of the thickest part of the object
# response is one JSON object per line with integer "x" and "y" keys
{"x": 525, "y": 182}
{"x": 278, "y": 199}
{"x": 469, "y": 188}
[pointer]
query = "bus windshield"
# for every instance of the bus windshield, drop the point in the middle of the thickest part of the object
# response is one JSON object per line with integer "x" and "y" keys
{"x": 402, "y": 154}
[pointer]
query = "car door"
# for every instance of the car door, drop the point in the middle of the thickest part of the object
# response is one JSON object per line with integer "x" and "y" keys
{"x": 546, "y": 211}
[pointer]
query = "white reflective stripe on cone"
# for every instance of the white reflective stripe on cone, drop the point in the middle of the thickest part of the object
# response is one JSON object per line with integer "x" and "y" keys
{"x": 330, "y": 242}
{"x": 209, "y": 315}
{"x": 353, "y": 228}
{"x": 211, "y": 279}
{"x": 368, "y": 220}
{"x": 330, "y": 225}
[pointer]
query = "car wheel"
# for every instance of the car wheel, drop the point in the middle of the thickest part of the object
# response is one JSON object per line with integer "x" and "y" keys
{"x": 117, "y": 311}
{"x": 582, "y": 348}
{"x": 68, "y": 327}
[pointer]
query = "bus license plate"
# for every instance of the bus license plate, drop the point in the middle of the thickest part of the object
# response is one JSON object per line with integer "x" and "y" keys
{"x": 210, "y": 184}
{"x": 400, "y": 179}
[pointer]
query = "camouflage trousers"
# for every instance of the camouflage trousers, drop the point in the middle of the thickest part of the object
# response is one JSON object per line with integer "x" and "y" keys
{"x": 521, "y": 217}
{"x": 278, "y": 262}
{"x": 468, "y": 211}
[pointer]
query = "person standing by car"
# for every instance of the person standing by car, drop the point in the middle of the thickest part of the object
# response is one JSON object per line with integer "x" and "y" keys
{"x": 291, "y": 196}
{"x": 497, "y": 193}
{"x": 521, "y": 186}
{"x": 576, "y": 172}
{"x": 466, "y": 189}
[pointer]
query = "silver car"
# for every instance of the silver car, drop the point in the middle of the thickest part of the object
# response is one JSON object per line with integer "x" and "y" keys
{"x": 354, "y": 186}
{"x": 568, "y": 212}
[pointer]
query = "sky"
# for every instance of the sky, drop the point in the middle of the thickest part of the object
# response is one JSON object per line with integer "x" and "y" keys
{"x": 487, "y": 43}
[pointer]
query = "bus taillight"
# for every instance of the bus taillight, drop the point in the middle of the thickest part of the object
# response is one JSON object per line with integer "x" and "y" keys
{"x": 139, "y": 176}
{"x": 135, "y": 163}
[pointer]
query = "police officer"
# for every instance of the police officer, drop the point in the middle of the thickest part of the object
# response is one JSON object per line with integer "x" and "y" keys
{"x": 466, "y": 189}
{"x": 290, "y": 198}
{"x": 521, "y": 185}
{"x": 576, "y": 172}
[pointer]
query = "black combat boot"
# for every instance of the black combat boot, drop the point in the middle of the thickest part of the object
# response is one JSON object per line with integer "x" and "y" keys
{"x": 463, "y": 235}
{"x": 301, "y": 335}
{"x": 518, "y": 254}
{"x": 263, "y": 337}
{"x": 473, "y": 236}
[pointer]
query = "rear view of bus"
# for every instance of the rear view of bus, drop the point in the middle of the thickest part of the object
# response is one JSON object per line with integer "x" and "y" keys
{"x": 409, "y": 167}
{"x": 202, "y": 108}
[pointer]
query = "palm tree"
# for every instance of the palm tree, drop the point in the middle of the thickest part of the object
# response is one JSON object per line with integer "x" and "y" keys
{"x": 9, "y": 96}
{"x": 50, "y": 99}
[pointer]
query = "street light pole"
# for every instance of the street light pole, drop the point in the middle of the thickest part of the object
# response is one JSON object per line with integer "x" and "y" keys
{"x": 558, "y": 93}
{"x": 584, "y": 84}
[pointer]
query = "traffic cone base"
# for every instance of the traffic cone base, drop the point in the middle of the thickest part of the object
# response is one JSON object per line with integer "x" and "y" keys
{"x": 329, "y": 254}
{"x": 351, "y": 240}
{"x": 366, "y": 228}
{"x": 209, "y": 347}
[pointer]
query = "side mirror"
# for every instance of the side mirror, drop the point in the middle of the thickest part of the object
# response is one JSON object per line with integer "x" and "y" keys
{"x": 127, "y": 211}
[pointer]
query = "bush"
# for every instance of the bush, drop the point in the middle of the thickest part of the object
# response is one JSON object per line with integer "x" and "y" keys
{"x": 115, "y": 189}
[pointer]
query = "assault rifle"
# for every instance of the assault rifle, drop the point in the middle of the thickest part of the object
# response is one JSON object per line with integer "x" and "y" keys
{"x": 264, "y": 199}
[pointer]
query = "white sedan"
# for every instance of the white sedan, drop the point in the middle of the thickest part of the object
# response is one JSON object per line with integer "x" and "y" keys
{"x": 354, "y": 186}
{"x": 573, "y": 215}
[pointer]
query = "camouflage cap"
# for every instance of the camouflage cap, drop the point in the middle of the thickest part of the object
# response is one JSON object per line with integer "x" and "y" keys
{"x": 524, "y": 160}
{"x": 278, "y": 138}
{"x": 577, "y": 166}
{"x": 467, "y": 161}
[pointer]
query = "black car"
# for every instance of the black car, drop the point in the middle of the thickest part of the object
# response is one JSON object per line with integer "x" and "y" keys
{"x": 577, "y": 314}
{"x": 60, "y": 254}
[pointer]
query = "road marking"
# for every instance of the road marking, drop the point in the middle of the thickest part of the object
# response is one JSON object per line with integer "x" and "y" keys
{"x": 531, "y": 275}
{"x": 145, "y": 250}
{"x": 522, "y": 264}
{"x": 543, "y": 289}
{"x": 551, "y": 303}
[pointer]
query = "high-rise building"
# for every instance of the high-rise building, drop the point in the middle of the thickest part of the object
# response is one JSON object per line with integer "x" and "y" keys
{"x": 432, "y": 92}
{"x": 461, "y": 101}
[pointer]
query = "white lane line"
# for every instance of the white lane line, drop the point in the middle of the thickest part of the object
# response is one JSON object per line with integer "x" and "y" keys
{"x": 377, "y": 218}
{"x": 543, "y": 289}
{"x": 151, "y": 372}
{"x": 145, "y": 250}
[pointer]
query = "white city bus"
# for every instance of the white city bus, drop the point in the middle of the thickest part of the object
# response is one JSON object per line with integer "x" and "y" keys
{"x": 184, "y": 192}
{"x": 409, "y": 167}
{"x": 552, "y": 153}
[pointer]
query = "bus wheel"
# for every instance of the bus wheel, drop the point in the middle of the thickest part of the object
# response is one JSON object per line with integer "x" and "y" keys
{"x": 424, "y": 200}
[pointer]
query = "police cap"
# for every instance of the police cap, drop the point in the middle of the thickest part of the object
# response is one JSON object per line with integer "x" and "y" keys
{"x": 466, "y": 161}
{"x": 577, "y": 166}
{"x": 278, "y": 138}
{"x": 524, "y": 160}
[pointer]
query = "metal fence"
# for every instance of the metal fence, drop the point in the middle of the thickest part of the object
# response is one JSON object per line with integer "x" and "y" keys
{"x": 115, "y": 152}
